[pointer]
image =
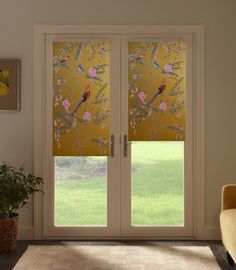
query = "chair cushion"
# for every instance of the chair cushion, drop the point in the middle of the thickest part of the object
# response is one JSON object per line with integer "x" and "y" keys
{"x": 228, "y": 230}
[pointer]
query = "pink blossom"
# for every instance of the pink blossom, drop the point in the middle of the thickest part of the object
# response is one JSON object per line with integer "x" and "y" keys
{"x": 87, "y": 116}
{"x": 168, "y": 68}
{"x": 137, "y": 76}
{"x": 55, "y": 58}
{"x": 60, "y": 81}
{"x": 163, "y": 106}
{"x": 132, "y": 65}
{"x": 179, "y": 114}
{"x": 133, "y": 123}
{"x": 142, "y": 96}
{"x": 92, "y": 72}
{"x": 103, "y": 125}
{"x": 150, "y": 113}
{"x": 56, "y": 69}
{"x": 62, "y": 50}
{"x": 66, "y": 103}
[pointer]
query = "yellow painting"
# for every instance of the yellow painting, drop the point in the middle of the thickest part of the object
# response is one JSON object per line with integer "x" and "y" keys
{"x": 4, "y": 82}
{"x": 157, "y": 87}
{"x": 81, "y": 100}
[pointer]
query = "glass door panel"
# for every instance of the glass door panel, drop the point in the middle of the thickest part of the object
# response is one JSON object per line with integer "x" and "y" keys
{"x": 81, "y": 191}
{"x": 157, "y": 183}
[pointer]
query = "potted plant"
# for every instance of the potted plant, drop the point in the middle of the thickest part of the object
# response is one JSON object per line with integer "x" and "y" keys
{"x": 15, "y": 190}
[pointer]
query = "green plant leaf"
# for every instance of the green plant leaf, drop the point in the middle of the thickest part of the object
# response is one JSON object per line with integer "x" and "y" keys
{"x": 15, "y": 189}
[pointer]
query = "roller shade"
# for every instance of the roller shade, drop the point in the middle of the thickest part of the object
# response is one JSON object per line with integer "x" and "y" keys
{"x": 157, "y": 88}
{"x": 81, "y": 93}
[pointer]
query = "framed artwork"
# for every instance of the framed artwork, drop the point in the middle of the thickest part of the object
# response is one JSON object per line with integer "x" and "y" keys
{"x": 9, "y": 84}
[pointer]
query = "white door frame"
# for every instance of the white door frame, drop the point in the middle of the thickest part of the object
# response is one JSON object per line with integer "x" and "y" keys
{"x": 197, "y": 32}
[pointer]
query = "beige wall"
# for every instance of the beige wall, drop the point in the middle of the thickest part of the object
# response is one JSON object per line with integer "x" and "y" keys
{"x": 17, "y": 18}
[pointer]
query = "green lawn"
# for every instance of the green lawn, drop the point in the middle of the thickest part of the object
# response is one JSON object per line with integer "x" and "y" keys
{"x": 157, "y": 189}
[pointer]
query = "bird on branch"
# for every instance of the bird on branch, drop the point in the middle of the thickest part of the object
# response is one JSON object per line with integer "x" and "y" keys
{"x": 64, "y": 60}
{"x": 83, "y": 99}
{"x": 160, "y": 90}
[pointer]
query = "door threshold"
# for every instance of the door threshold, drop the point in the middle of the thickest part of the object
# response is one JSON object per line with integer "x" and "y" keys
{"x": 109, "y": 238}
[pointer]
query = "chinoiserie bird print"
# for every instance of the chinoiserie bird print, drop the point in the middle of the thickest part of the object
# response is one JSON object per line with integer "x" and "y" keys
{"x": 160, "y": 90}
{"x": 139, "y": 60}
{"x": 64, "y": 60}
{"x": 136, "y": 59}
{"x": 154, "y": 51}
{"x": 156, "y": 64}
{"x": 83, "y": 99}
{"x": 78, "y": 53}
{"x": 80, "y": 68}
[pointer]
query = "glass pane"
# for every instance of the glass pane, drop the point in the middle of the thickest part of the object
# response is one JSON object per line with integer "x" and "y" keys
{"x": 158, "y": 183}
{"x": 81, "y": 191}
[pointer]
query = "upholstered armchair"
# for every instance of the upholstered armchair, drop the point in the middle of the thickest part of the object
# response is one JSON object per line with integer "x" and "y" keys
{"x": 228, "y": 221}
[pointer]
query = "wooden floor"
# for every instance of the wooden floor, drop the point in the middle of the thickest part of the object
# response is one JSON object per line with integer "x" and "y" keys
{"x": 9, "y": 259}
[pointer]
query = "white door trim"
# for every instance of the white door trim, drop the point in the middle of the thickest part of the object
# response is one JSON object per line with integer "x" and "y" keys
{"x": 197, "y": 32}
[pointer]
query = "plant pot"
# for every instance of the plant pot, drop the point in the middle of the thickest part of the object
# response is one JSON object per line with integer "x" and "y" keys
{"x": 8, "y": 233}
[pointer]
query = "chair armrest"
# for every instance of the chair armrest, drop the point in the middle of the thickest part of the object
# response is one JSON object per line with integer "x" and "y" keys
{"x": 228, "y": 197}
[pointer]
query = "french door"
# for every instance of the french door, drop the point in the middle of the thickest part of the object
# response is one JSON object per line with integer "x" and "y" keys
{"x": 159, "y": 201}
{"x": 119, "y": 187}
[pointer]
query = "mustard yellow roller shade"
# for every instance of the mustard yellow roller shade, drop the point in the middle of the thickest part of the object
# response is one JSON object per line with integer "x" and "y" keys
{"x": 157, "y": 88}
{"x": 81, "y": 93}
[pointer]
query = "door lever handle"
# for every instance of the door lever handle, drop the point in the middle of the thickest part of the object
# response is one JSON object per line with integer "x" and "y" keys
{"x": 112, "y": 145}
{"x": 126, "y": 143}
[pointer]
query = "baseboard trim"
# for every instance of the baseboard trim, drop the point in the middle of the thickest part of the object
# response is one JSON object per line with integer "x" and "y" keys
{"x": 207, "y": 233}
{"x": 26, "y": 233}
